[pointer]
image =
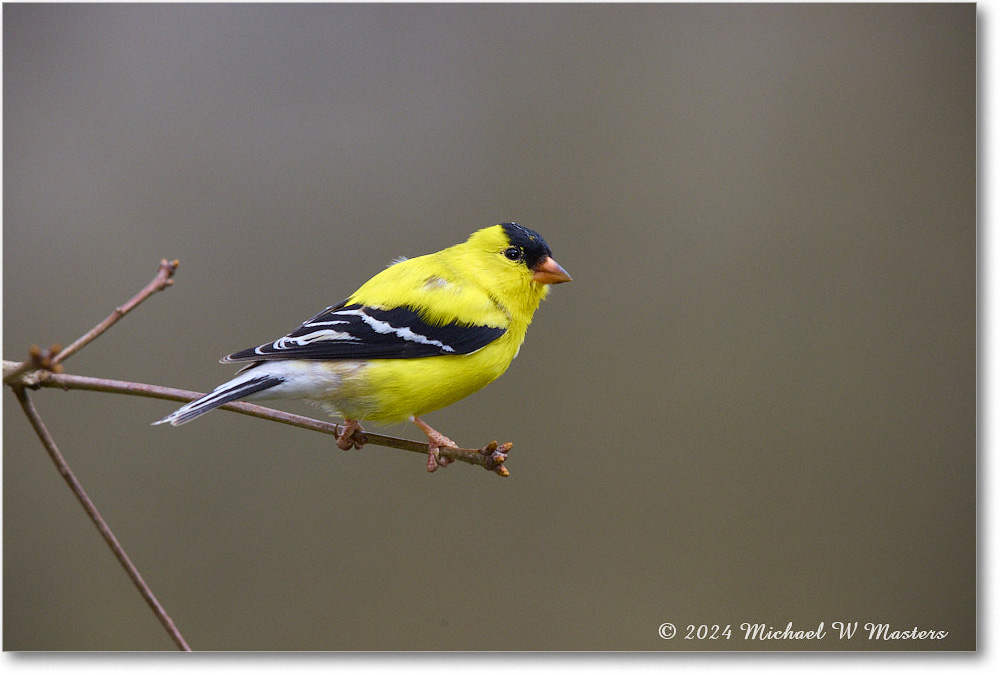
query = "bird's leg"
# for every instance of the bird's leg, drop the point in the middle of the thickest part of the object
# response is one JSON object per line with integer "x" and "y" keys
{"x": 435, "y": 441}
{"x": 351, "y": 435}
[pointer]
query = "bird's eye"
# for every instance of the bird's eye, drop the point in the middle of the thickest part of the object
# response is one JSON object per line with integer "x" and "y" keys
{"x": 513, "y": 253}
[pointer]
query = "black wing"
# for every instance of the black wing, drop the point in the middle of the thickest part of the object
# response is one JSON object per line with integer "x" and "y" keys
{"x": 360, "y": 332}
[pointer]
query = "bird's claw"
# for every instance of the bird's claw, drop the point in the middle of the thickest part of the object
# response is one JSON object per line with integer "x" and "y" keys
{"x": 351, "y": 436}
{"x": 493, "y": 454}
{"x": 434, "y": 458}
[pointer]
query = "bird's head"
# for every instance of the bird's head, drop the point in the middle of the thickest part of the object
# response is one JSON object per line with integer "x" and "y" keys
{"x": 514, "y": 262}
{"x": 518, "y": 251}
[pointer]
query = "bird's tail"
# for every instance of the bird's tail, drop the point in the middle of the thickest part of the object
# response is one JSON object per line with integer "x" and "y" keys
{"x": 235, "y": 389}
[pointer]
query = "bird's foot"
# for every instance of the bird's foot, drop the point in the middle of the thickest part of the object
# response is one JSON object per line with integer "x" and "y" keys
{"x": 434, "y": 445}
{"x": 351, "y": 435}
{"x": 435, "y": 441}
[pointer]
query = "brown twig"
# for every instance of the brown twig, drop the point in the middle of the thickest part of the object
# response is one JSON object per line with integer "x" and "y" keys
{"x": 159, "y": 282}
{"x": 95, "y": 516}
{"x": 490, "y": 457}
{"x": 47, "y": 362}
{"x": 38, "y": 359}
{"x": 43, "y": 368}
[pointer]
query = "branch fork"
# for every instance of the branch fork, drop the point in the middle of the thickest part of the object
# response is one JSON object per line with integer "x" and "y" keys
{"x": 43, "y": 368}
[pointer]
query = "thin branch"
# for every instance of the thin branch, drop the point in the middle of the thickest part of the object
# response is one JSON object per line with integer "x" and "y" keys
{"x": 490, "y": 457}
{"x": 43, "y": 368}
{"x": 19, "y": 370}
{"x": 159, "y": 282}
{"x": 95, "y": 516}
{"x": 38, "y": 359}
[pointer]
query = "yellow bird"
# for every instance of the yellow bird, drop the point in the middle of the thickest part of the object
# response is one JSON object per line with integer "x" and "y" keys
{"x": 418, "y": 336}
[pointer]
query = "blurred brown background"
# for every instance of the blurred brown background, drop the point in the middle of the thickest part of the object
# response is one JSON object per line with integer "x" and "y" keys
{"x": 755, "y": 403}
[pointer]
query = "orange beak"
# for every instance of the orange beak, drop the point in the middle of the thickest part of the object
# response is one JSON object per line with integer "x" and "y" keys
{"x": 548, "y": 271}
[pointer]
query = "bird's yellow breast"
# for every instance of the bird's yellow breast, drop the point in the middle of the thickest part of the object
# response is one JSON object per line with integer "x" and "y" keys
{"x": 393, "y": 390}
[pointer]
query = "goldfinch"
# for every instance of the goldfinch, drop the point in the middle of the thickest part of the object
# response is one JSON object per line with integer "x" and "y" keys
{"x": 418, "y": 336}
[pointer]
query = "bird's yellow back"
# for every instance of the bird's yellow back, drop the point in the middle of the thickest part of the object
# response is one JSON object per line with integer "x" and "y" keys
{"x": 471, "y": 279}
